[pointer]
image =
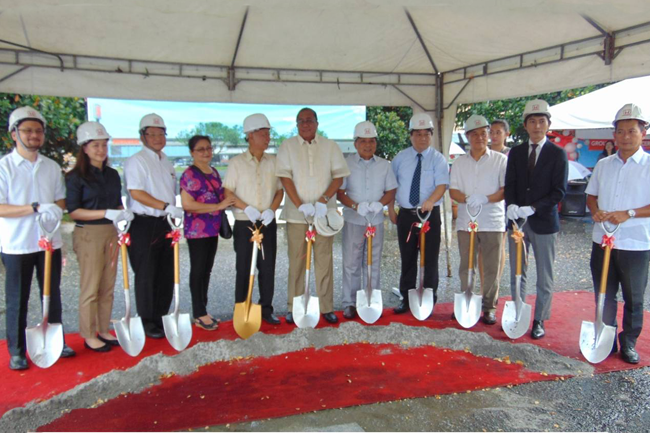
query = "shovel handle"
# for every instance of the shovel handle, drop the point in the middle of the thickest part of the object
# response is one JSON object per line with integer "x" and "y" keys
{"x": 125, "y": 267}
{"x": 471, "y": 250}
{"x": 519, "y": 251}
{"x": 369, "y": 250}
{"x": 48, "y": 273}
{"x": 422, "y": 248}
{"x": 308, "y": 265}
{"x": 177, "y": 274}
{"x": 251, "y": 278}
{"x": 605, "y": 271}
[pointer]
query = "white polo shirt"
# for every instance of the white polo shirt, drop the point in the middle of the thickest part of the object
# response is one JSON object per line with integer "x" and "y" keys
{"x": 153, "y": 174}
{"x": 23, "y": 182}
{"x": 485, "y": 176}
{"x": 623, "y": 186}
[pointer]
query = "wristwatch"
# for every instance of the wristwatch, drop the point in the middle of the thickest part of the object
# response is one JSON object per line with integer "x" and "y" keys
{"x": 327, "y": 198}
{"x": 165, "y": 206}
{"x": 35, "y": 206}
{"x": 355, "y": 206}
{"x": 631, "y": 213}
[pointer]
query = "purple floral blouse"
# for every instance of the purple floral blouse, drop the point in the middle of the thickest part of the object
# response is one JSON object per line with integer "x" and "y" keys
{"x": 203, "y": 225}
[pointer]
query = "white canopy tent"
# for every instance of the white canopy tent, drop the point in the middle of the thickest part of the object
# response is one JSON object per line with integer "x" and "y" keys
{"x": 429, "y": 54}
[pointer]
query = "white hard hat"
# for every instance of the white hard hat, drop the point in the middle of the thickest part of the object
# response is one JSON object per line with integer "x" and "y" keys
{"x": 475, "y": 121}
{"x": 255, "y": 122}
{"x": 152, "y": 120}
{"x": 365, "y": 130}
{"x": 420, "y": 121}
{"x": 24, "y": 113}
{"x": 90, "y": 131}
{"x": 330, "y": 224}
{"x": 536, "y": 106}
{"x": 630, "y": 111}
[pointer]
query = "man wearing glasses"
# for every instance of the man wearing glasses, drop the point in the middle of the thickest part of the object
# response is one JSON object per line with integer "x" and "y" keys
{"x": 31, "y": 186}
{"x": 151, "y": 184}
{"x": 311, "y": 169}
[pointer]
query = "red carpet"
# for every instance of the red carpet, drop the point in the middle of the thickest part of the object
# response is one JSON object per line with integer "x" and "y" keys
{"x": 569, "y": 309}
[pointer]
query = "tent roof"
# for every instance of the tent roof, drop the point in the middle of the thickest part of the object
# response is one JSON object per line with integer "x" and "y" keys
{"x": 371, "y": 52}
{"x": 598, "y": 109}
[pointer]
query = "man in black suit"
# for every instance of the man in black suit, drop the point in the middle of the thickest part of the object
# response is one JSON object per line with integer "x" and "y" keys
{"x": 536, "y": 179}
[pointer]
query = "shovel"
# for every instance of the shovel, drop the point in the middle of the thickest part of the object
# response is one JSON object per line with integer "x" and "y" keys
{"x": 369, "y": 302}
{"x": 45, "y": 340}
{"x": 129, "y": 331}
{"x": 516, "y": 314}
{"x": 247, "y": 317}
{"x": 467, "y": 305}
{"x": 597, "y": 339}
{"x": 306, "y": 311}
{"x": 178, "y": 328}
{"x": 421, "y": 299}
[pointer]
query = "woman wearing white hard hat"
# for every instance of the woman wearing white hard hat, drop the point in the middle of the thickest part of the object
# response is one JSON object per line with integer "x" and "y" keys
{"x": 94, "y": 201}
{"x": 257, "y": 193}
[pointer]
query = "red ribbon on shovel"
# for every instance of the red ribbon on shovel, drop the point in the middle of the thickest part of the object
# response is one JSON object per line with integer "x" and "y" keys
{"x": 45, "y": 244}
{"x": 310, "y": 235}
{"x": 608, "y": 241}
{"x": 124, "y": 239}
{"x": 175, "y": 236}
{"x": 370, "y": 231}
{"x": 423, "y": 228}
{"x": 473, "y": 226}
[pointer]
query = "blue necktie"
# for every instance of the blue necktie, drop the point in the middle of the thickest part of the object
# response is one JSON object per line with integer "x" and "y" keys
{"x": 414, "y": 196}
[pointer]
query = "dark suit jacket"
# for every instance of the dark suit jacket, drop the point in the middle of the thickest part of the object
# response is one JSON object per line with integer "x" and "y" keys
{"x": 546, "y": 189}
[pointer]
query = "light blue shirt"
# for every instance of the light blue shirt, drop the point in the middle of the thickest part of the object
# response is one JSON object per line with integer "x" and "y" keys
{"x": 435, "y": 172}
{"x": 368, "y": 181}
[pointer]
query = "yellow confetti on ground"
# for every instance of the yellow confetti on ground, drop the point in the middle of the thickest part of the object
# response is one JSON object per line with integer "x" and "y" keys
{"x": 438, "y": 397}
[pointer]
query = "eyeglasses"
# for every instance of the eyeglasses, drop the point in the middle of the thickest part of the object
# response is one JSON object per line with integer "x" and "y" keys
{"x": 203, "y": 149}
{"x": 155, "y": 135}
{"x": 306, "y": 121}
{"x": 28, "y": 131}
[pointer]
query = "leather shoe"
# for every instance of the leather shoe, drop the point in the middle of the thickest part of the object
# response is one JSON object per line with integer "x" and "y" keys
{"x": 67, "y": 352}
{"x": 289, "y": 318}
{"x": 152, "y": 331}
{"x": 403, "y": 307}
{"x": 109, "y": 342}
{"x": 489, "y": 318}
{"x": 105, "y": 348}
{"x": 630, "y": 355}
{"x": 538, "y": 330}
{"x": 331, "y": 317}
{"x": 271, "y": 319}
{"x": 349, "y": 312}
{"x": 18, "y": 362}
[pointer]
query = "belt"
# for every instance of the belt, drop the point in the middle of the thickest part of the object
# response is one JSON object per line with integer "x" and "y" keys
{"x": 137, "y": 215}
{"x": 413, "y": 211}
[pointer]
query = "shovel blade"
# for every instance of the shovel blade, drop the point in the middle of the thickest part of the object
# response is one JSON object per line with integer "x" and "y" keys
{"x": 306, "y": 318}
{"x": 44, "y": 343}
{"x": 247, "y": 323}
{"x": 130, "y": 335}
{"x": 467, "y": 309}
{"x": 178, "y": 330}
{"x": 596, "y": 348}
{"x": 421, "y": 307}
{"x": 371, "y": 311}
{"x": 511, "y": 326}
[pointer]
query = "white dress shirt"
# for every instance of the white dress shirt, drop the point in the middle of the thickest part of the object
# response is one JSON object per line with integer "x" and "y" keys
{"x": 621, "y": 186}
{"x": 312, "y": 167}
{"x": 23, "y": 182}
{"x": 253, "y": 181}
{"x": 153, "y": 174}
{"x": 485, "y": 176}
{"x": 538, "y": 150}
{"x": 368, "y": 181}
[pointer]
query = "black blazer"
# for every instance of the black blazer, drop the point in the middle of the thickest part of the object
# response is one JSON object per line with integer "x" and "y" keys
{"x": 546, "y": 190}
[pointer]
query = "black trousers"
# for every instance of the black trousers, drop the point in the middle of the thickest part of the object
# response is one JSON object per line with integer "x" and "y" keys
{"x": 409, "y": 251}
{"x": 152, "y": 260}
{"x": 629, "y": 270}
{"x": 202, "y": 253}
{"x": 20, "y": 270}
{"x": 265, "y": 265}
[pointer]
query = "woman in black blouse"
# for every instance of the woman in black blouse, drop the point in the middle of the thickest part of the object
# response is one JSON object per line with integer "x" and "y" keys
{"x": 94, "y": 201}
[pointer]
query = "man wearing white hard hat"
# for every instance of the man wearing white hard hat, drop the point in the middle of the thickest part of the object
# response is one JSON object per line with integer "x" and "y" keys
{"x": 151, "y": 185}
{"x": 257, "y": 192}
{"x": 31, "y": 186}
{"x": 477, "y": 181}
{"x": 536, "y": 179}
{"x": 311, "y": 169}
{"x": 618, "y": 193}
{"x": 422, "y": 177}
{"x": 370, "y": 186}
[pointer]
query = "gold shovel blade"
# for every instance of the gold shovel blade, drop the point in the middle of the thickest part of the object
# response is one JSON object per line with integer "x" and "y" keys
{"x": 247, "y": 323}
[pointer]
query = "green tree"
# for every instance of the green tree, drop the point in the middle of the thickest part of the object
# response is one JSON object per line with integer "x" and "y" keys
{"x": 392, "y": 129}
{"x": 63, "y": 116}
{"x": 277, "y": 139}
{"x": 221, "y": 135}
{"x": 513, "y": 109}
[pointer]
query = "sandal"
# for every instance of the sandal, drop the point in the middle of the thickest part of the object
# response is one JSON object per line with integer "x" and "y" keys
{"x": 207, "y": 326}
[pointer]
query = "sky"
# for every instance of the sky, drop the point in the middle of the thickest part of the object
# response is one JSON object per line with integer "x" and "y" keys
{"x": 122, "y": 117}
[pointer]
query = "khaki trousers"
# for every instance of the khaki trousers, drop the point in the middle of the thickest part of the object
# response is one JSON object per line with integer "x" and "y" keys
{"x": 322, "y": 266}
{"x": 490, "y": 244}
{"x": 97, "y": 253}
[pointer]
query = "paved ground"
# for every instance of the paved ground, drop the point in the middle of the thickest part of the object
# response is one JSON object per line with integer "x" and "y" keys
{"x": 613, "y": 402}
